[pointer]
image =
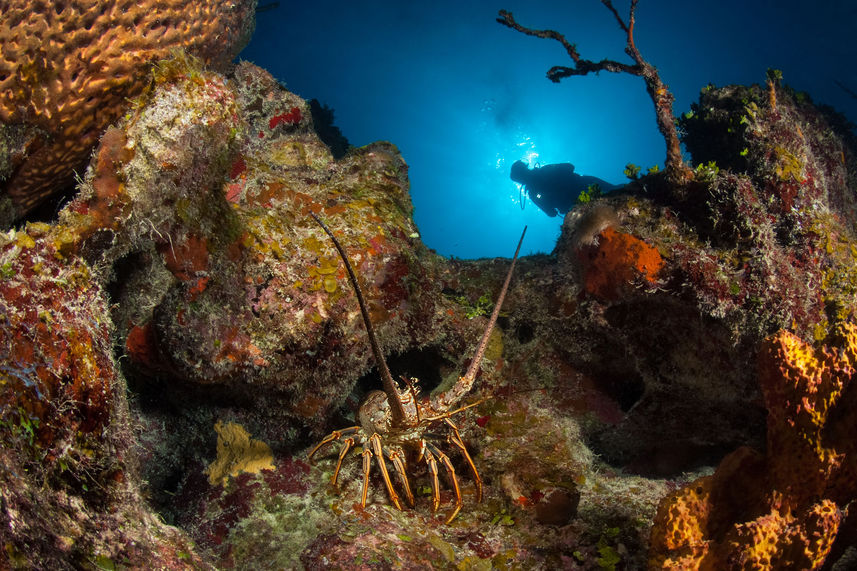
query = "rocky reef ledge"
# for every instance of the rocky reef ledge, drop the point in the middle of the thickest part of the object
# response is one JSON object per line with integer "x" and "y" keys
{"x": 669, "y": 388}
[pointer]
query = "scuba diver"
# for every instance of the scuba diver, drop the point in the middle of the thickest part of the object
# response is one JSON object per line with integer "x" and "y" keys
{"x": 555, "y": 188}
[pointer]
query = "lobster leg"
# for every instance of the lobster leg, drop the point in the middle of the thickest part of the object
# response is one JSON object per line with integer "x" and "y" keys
{"x": 444, "y": 459}
{"x": 455, "y": 440}
{"x": 375, "y": 442}
{"x": 367, "y": 464}
{"x": 395, "y": 457}
{"x": 335, "y": 435}
{"x": 346, "y": 446}
{"x": 432, "y": 468}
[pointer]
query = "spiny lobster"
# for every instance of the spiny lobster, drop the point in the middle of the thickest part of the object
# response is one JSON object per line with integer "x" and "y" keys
{"x": 396, "y": 419}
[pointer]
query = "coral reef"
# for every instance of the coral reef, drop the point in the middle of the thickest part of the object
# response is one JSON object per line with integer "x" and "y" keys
{"x": 227, "y": 227}
{"x": 784, "y": 509}
{"x": 61, "y": 95}
{"x": 529, "y": 516}
{"x": 186, "y": 300}
{"x": 794, "y": 206}
{"x": 69, "y": 485}
{"x": 229, "y": 308}
{"x": 780, "y": 214}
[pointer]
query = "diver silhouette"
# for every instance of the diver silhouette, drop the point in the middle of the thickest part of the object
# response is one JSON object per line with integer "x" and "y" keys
{"x": 555, "y": 188}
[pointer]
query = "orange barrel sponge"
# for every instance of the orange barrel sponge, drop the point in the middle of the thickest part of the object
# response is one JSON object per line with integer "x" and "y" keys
{"x": 780, "y": 510}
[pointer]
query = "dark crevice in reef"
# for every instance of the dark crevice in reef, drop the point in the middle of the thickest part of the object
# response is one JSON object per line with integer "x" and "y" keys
{"x": 662, "y": 366}
{"x": 428, "y": 365}
{"x": 48, "y": 211}
{"x": 123, "y": 269}
{"x": 616, "y": 376}
{"x": 525, "y": 332}
{"x": 173, "y": 429}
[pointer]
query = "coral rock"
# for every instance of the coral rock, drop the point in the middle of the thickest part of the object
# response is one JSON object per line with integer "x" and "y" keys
{"x": 64, "y": 439}
{"x": 58, "y": 375}
{"x": 232, "y": 305}
{"x": 210, "y": 181}
{"x": 69, "y": 68}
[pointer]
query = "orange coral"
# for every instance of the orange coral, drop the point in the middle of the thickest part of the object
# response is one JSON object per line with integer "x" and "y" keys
{"x": 781, "y": 510}
{"x": 611, "y": 265}
{"x": 69, "y": 66}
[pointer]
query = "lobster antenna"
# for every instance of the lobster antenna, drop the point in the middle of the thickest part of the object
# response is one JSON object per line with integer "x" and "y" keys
{"x": 390, "y": 387}
{"x": 483, "y": 344}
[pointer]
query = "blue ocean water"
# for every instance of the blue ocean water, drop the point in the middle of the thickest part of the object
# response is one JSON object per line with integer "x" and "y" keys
{"x": 464, "y": 97}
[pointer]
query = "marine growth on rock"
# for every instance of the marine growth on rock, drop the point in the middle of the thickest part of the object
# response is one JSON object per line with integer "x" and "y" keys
{"x": 183, "y": 333}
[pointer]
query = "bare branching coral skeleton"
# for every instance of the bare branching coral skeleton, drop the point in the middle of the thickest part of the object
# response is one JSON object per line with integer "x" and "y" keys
{"x": 398, "y": 420}
{"x": 657, "y": 89}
